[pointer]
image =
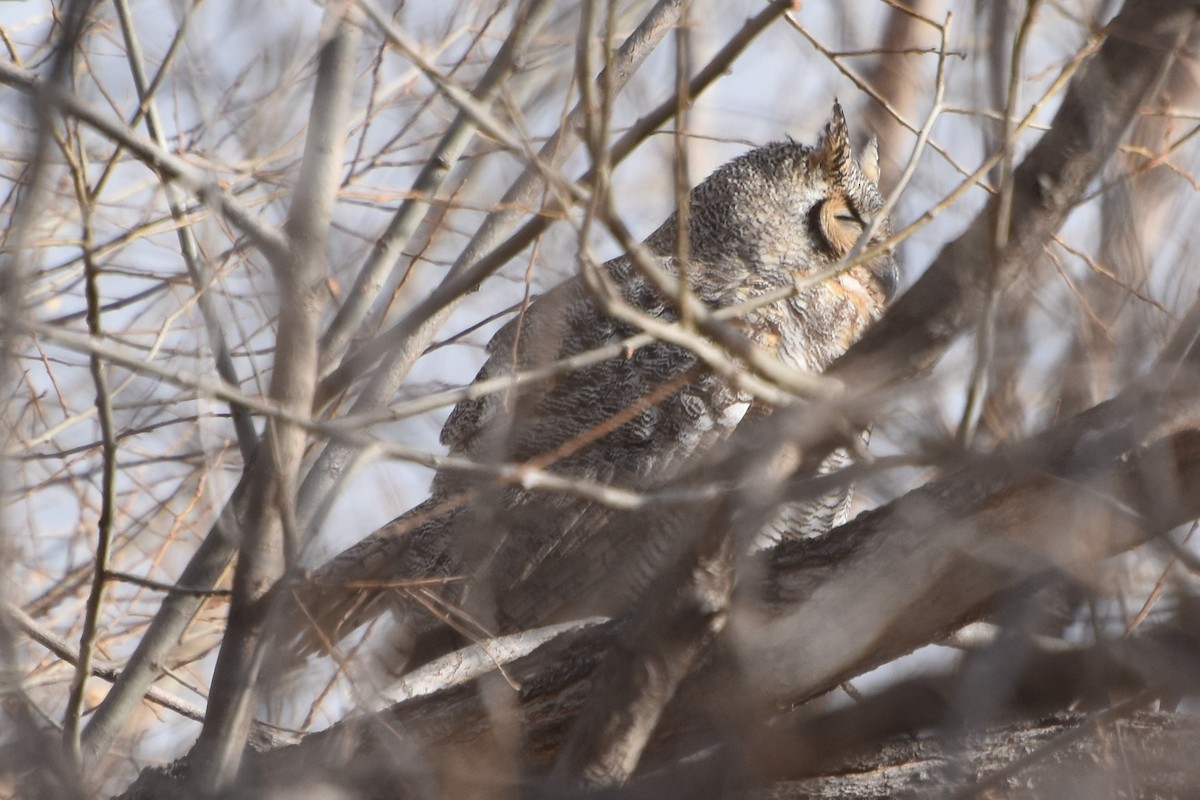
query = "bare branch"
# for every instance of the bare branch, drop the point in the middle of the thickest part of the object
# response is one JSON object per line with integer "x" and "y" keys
{"x": 269, "y": 538}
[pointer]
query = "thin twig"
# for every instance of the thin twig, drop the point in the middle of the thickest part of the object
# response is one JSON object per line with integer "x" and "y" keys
{"x": 189, "y": 250}
{"x": 370, "y": 280}
{"x": 108, "y": 478}
{"x": 269, "y": 240}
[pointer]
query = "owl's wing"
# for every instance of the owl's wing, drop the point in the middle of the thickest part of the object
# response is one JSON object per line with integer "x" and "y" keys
{"x": 378, "y": 573}
{"x": 549, "y": 329}
{"x": 631, "y": 421}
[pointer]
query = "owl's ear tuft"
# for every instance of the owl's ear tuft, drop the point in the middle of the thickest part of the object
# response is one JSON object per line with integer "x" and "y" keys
{"x": 833, "y": 148}
{"x": 868, "y": 162}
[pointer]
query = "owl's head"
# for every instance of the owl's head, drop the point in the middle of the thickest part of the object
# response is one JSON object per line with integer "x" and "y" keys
{"x": 787, "y": 210}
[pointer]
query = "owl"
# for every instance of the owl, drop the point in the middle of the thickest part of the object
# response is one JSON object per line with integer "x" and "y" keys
{"x": 482, "y": 557}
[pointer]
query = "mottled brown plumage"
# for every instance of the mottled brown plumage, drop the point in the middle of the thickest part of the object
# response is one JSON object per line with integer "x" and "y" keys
{"x": 513, "y": 558}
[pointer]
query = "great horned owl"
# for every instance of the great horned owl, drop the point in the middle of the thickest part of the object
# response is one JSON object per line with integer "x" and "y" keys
{"x": 479, "y": 557}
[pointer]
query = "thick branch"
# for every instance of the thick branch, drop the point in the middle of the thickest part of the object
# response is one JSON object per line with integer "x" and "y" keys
{"x": 269, "y": 524}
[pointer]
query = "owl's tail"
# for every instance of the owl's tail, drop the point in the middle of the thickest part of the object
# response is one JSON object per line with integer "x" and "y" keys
{"x": 393, "y": 568}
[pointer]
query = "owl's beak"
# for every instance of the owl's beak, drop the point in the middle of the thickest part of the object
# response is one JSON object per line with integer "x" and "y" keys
{"x": 889, "y": 278}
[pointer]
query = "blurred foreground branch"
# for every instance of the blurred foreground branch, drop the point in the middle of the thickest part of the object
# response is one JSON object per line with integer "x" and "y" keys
{"x": 904, "y": 575}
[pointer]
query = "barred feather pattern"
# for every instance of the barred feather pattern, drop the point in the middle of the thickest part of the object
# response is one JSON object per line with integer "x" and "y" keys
{"x": 479, "y": 558}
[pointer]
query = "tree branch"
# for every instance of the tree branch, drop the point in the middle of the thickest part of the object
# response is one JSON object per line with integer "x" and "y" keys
{"x": 265, "y": 548}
